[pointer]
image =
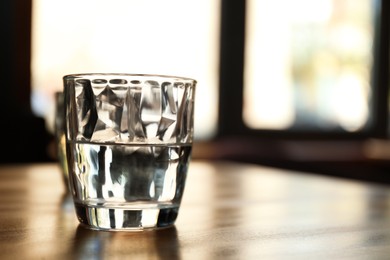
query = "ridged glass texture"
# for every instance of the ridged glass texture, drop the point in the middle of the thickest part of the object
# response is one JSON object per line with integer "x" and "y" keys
{"x": 128, "y": 147}
{"x": 121, "y": 108}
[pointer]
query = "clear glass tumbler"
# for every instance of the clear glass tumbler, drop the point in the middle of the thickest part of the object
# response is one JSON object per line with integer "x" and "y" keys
{"x": 128, "y": 144}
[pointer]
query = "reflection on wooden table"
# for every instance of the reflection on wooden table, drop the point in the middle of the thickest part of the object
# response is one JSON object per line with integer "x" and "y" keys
{"x": 229, "y": 211}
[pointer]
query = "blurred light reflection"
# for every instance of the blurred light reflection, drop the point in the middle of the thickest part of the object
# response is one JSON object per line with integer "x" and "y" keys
{"x": 308, "y": 64}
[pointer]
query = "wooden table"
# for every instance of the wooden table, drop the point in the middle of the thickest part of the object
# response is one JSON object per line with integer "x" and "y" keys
{"x": 229, "y": 211}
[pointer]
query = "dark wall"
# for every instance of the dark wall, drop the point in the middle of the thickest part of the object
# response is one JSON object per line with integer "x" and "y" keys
{"x": 24, "y": 136}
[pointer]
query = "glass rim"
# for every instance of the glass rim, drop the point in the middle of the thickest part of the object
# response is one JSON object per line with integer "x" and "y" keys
{"x": 162, "y": 76}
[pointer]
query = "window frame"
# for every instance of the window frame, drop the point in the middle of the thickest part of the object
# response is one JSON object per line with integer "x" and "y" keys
{"x": 231, "y": 80}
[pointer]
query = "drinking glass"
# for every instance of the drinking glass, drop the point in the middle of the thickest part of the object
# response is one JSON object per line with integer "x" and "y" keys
{"x": 128, "y": 144}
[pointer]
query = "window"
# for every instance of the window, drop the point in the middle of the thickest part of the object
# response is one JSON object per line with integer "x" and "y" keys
{"x": 293, "y": 68}
{"x": 284, "y": 66}
{"x": 172, "y": 37}
{"x": 308, "y": 67}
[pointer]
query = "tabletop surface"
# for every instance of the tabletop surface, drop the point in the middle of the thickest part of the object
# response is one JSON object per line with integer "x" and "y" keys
{"x": 229, "y": 211}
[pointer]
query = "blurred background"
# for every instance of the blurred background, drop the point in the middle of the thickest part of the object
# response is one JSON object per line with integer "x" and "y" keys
{"x": 297, "y": 84}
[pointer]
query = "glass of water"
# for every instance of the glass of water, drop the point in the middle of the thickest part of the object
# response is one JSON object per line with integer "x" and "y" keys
{"x": 128, "y": 145}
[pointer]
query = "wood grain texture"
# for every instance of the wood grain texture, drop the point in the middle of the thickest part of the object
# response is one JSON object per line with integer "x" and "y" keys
{"x": 229, "y": 211}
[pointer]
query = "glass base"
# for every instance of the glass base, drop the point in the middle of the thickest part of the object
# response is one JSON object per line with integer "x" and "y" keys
{"x": 124, "y": 219}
